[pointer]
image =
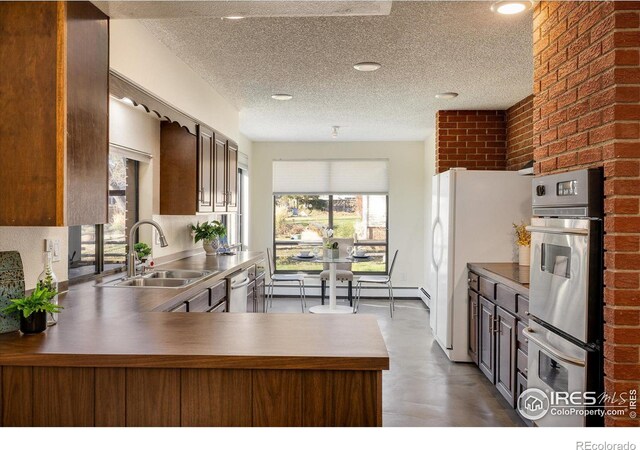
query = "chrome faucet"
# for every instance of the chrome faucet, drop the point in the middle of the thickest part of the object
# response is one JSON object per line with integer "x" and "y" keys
{"x": 133, "y": 256}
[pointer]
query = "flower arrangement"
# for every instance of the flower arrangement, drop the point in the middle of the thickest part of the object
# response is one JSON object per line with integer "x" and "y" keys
{"x": 523, "y": 237}
{"x": 327, "y": 234}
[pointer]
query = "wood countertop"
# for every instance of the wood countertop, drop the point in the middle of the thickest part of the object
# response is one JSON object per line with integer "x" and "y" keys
{"x": 127, "y": 327}
{"x": 511, "y": 274}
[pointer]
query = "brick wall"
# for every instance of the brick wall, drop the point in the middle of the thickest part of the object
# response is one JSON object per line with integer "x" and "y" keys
{"x": 472, "y": 139}
{"x": 586, "y": 113}
{"x": 520, "y": 134}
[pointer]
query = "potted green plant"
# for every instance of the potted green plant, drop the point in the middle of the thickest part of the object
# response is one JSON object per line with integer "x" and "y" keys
{"x": 142, "y": 250}
{"x": 209, "y": 233}
{"x": 33, "y": 309}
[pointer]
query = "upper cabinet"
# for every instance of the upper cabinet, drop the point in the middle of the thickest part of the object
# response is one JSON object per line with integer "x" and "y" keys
{"x": 226, "y": 175}
{"x": 54, "y": 104}
{"x": 206, "y": 157}
{"x": 178, "y": 170}
{"x": 198, "y": 174}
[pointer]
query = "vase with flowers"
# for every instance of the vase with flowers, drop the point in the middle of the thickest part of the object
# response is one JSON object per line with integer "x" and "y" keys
{"x": 330, "y": 248}
{"x": 523, "y": 239}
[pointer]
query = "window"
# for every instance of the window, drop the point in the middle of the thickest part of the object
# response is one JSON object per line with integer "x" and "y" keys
{"x": 95, "y": 249}
{"x": 300, "y": 218}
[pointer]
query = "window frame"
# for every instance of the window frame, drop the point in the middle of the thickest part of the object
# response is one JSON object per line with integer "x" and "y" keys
{"x": 99, "y": 263}
{"x": 384, "y": 244}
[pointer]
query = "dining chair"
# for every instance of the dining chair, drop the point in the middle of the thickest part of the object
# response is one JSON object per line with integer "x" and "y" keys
{"x": 343, "y": 270}
{"x": 377, "y": 279}
{"x": 284, "y": 278}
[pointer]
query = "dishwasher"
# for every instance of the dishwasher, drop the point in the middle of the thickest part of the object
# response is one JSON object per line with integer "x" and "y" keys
{"x": 237, "y": 291}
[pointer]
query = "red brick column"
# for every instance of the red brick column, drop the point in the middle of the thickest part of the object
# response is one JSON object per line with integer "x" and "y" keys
{"x": 520, "y": 134}
{"x": 587, "y": 113}
{"x": 472, "y": 139}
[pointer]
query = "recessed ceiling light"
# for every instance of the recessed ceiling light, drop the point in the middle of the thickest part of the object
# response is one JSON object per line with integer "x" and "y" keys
{"x": 510, "y": 7}
{"x": 282, "y": 96}
{"x": 447, "y": 95}
{"x": 334, "y": 131}
{"x": 367, "y": 66}
{"x": 233, "y": 17}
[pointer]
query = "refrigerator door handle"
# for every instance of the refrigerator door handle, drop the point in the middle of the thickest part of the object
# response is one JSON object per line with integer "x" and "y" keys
{"x": 433, "y": 244}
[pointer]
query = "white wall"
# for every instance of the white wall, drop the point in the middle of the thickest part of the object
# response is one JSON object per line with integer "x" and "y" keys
{"x": 429, "y": 172}
{"x": 29, "y": 241}
{"x": 406, "y": 194}
{"x": 138, "y": 55}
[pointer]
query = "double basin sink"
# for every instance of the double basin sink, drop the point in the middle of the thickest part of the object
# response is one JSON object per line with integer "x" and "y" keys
{"x": 160, "y": 279}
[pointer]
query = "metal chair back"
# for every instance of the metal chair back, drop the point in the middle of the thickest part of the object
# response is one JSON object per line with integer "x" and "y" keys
{"x": 393, "y": 263}
{"x": 272, "y": 269}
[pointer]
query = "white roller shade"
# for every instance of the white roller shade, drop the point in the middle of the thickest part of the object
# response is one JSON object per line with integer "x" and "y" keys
{"x": 335, "y": 176}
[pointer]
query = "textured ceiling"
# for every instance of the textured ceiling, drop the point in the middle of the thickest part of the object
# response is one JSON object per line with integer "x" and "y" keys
{"x": 424, "y": 48}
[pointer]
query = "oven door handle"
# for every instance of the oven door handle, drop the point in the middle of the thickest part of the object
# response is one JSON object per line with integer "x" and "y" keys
{"x": 557, "y": 230}
{"x": 557, "y": 353}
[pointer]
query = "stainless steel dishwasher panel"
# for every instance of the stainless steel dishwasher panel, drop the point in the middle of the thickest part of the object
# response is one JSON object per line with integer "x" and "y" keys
{"x": 237, "y": 285}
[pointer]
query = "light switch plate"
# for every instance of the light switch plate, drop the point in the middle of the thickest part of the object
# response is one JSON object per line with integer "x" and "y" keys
{"x": 53, "y": 246}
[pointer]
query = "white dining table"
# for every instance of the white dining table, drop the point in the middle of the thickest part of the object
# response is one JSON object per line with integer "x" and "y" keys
{"x": 332, "y": 307}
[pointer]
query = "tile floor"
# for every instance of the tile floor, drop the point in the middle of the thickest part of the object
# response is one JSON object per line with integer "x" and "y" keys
{"x": 423, "y": 388}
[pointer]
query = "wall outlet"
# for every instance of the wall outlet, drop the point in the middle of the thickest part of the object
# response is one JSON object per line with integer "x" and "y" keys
{"x": 53, "y": 246}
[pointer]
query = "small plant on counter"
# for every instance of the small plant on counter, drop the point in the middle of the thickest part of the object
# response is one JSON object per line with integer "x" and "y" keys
{"x": 209, "y": 233}
{"x": 142, "y": 250}
{"x": 523, "y": 237}
{"x": 33, "y": 309}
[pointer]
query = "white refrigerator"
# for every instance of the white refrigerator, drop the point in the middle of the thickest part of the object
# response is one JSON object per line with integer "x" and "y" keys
{"x": 471, "y": 221}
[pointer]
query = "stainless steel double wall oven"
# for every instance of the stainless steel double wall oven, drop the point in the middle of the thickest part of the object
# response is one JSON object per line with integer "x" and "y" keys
{"x": 566, "y": 293}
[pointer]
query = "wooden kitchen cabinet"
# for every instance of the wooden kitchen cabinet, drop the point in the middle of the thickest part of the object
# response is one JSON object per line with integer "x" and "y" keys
{"x": 500, "y": 322}
{"x": 178, "y": 170}
{"x": 198, "y": 174}
{"x": 505, "y": 359}
{"x": 473, "y": 326}
{"x": 205, "y": 169}
{"x": 55, "y": 115}
{"x": 486, "y": 338}
{"x": 225, "y": 175}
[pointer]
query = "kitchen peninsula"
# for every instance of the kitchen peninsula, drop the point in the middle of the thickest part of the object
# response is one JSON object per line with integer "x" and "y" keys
{"x": 118, "y": 358}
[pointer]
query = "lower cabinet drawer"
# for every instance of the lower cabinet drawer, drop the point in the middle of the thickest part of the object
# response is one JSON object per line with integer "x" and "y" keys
{"x": 488, "y": 288}
{"x": 522, "y": 307}
{"x": 218, "y": 292}
{"x": 506, "y": 298}
{"x": 199, "y": 303}
{"x": 521, "y": 363}
{"x": 182, "y": 307}
{"x": 522, "y": 341}
{"x": 473, "y": 281}
{"x": 219, "y": 308}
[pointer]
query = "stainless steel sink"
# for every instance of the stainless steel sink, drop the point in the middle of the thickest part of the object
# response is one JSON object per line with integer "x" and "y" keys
{"x": 188, "y": 274}
{"x": 153, "y": 282}
{"x": 166, "y": 278}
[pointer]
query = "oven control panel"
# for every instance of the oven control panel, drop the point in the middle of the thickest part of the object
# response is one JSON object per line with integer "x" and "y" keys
{"x": 580, "y": 190}
{"x": 564, "y": 188}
